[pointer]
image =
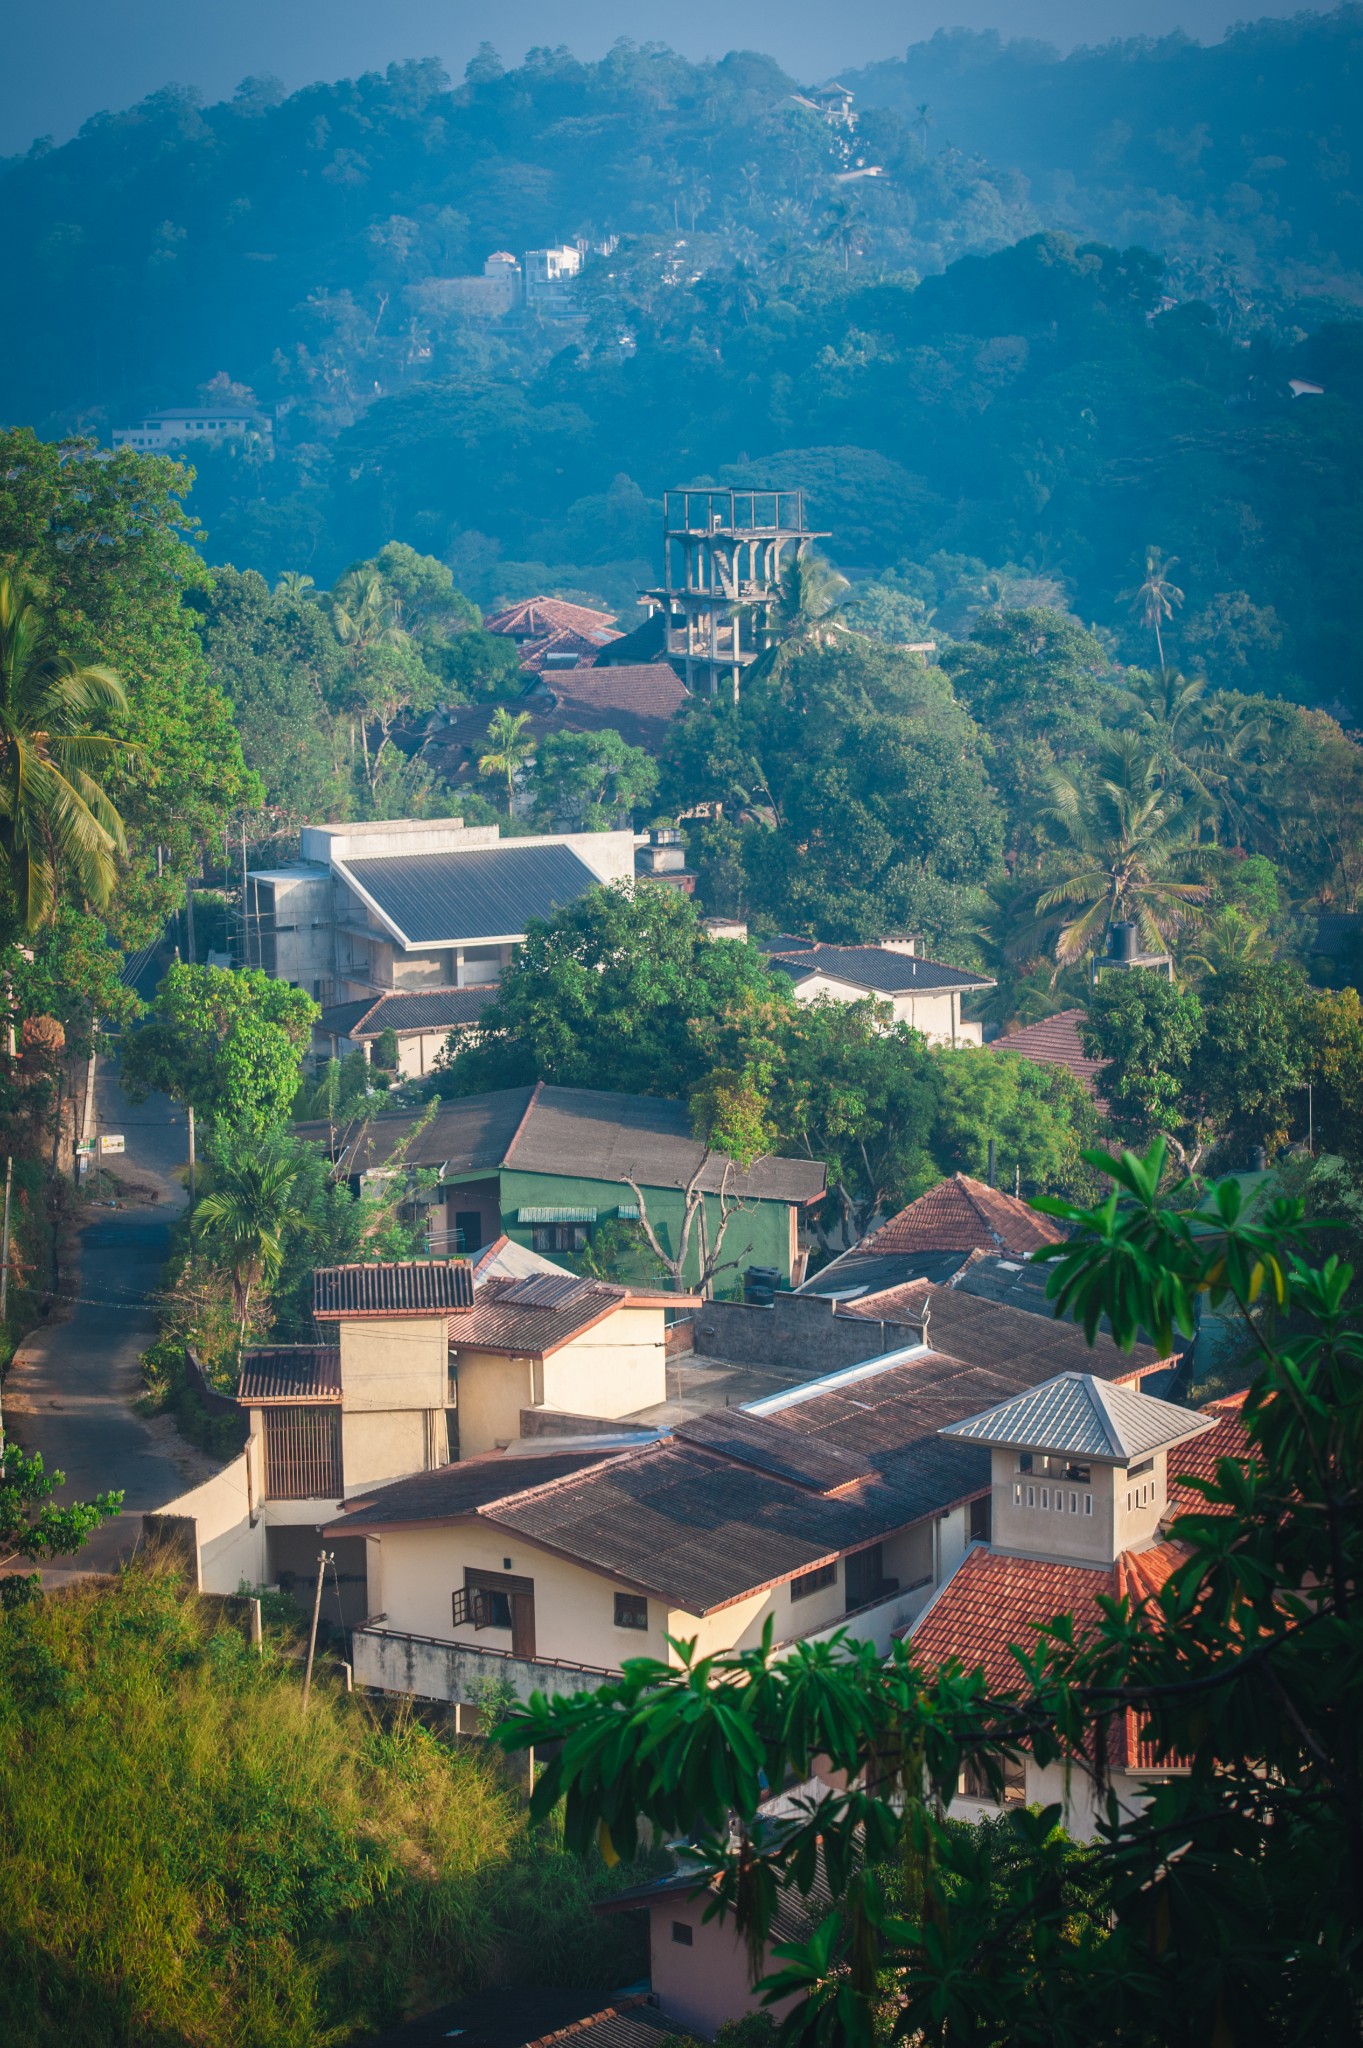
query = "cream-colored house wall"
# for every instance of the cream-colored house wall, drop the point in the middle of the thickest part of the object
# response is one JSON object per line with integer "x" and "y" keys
{"x": 612, "y": 1370}
{"x": 493, "y": 1389}
{"x": 1073, "y": 1792}
{"x": 394, "y": 1362}
{"x": 419, "y": 1570}
{"x": 382, "y": 1444}
{"x": 936, "y": 1013}
{"x": 1067, "y": 1529}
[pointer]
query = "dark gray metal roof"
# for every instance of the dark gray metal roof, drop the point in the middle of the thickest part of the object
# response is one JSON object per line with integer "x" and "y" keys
{"x": 1083, "y": 1417}
{"x": 856, "y": 1273}
{"x": 487, "y": 892}
{"x": 279, "y": 1374}
{"x": 435, "y": 1009}
{"x": 579, "y": 1133}
{"x": 877, "y": 967}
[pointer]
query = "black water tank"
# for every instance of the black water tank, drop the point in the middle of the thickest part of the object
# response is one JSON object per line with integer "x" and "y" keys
{"x": 1258, "y": 1159}
{"x": 1121, "y": 940}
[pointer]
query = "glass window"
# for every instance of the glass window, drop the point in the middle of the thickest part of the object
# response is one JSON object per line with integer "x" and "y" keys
{"x": 1088, "y": 1503}
{"x": 813, "y": 1582}
{"x": 631, "y": 1610}
{"x": 683, "y": 1934}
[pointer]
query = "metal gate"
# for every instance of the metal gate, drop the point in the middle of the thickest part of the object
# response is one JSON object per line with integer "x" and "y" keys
{"x": 303, "y": 1454}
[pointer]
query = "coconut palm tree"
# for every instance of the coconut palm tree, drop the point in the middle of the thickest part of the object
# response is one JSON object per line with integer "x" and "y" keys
{"x": 805, "y": 614}
{"x": 56, "y": 823}
{"x": 364, "y": 618}
{"x": 509, "y": 747}
{"x": 293, "y": 583}
{"x": 1227, "y": 939}
{"x": 1156, "y": 598}
{"x": 1122, "y": 835}
{"x": 247, "y": 1218}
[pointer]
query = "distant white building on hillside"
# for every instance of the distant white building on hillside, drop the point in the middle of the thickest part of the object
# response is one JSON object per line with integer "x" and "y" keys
{"x": 176, "y": 425}
{"x": 414, "y": 905}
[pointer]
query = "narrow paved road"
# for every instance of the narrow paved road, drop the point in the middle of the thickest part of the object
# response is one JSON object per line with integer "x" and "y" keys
{"x": 70, "y": 1391}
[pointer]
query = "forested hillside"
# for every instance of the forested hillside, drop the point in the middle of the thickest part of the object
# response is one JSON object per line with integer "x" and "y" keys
{"x": 1238, "y": 161}
{"x": 981, "y": 408}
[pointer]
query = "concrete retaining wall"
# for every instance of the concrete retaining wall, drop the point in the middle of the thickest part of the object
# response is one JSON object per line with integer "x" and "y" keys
{"x": 457, "y": 1671}
{"x": 229, "y": 1536}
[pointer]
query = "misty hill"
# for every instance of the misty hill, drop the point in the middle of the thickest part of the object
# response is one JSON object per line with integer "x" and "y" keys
{"x": 1238, "y": 161}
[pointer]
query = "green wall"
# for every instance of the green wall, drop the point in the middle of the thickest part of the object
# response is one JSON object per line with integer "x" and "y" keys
{"x": 759, "y": 1236}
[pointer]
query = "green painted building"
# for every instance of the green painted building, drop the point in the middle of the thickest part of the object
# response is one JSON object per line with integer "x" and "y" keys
{"x": 548, "y": 1167}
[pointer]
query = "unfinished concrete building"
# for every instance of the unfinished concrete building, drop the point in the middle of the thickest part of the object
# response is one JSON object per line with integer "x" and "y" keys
{"x": 724, "y": 556}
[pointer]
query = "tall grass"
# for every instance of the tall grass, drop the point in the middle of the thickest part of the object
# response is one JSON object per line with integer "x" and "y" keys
{"x": 184, "y": 1859}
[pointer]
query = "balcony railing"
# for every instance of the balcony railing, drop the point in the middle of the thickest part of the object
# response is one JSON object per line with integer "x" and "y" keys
{"x": 430, "y": 1669}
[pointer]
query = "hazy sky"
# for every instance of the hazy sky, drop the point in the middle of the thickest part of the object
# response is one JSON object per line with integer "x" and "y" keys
{"x": 67, "y": 59}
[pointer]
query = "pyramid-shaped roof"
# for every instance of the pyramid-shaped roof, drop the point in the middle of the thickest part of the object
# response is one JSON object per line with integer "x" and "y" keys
{"x": 964, "y": 1215}
{"x": 1082, "y": 1417}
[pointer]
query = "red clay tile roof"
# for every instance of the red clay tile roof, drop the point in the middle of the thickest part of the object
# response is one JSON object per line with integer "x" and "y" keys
{"x": 638, "y": 700}
{"x": 534, "y": 618}
{"x": 551, "y": 656}
{"x": 994, "y": 1601}
{"x": 1055, "y": 1042}
{"x": 1198, "y": 1459}
{"x": 963, "y": 1215}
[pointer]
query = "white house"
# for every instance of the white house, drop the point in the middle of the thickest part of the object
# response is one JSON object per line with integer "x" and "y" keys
{"x": 924, "y": 994}
{"x": 414, "y": 904}
{"x": 177, "y": 425}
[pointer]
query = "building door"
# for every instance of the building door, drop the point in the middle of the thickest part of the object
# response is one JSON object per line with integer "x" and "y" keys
{"x": 507, "y": 1601}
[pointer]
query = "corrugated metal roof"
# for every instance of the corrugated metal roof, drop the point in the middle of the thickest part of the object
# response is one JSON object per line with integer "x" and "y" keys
{"x": 1083, "y": 1417}
{"x": 486, "y": 892}
{"x": 572, "y": 1133}
{"x": 435, "y": 1009}
{"x": 529, "y": 1318}
{"x": 295, "y": 1372}
{"x": 880, "y": 968}
{"x": 772, "y": 1447}
{"x": 984, "y": 1331}
{"x": 400, "y": 1287}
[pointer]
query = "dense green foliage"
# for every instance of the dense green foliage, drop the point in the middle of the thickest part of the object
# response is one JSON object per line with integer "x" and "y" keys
{"x": 1228, "y": 1904}
{"x": 1027, "y": 414}
{"x": 624, "y": 990}
{"x": 228, "y": 1044}
{"x": 188, "y": 1860}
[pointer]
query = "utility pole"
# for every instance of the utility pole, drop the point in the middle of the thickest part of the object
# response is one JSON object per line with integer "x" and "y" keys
{"x": 324, "y": 1558}
{"x": 245, "y": 914}
{"x": 189, "y": 918}
{"x": 189, "y": 1111}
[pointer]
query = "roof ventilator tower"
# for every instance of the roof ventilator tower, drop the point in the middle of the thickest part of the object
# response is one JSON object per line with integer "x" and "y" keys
{"x": 724, "y": 556}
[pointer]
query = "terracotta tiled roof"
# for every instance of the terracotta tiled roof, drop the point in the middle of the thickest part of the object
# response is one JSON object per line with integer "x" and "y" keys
{"x": 397, "y": 1287}
{"x": 995, "y": 1603}
{"x": 639, "y": 701}
{"x": 1055, "y": 1042}
{"x": 963, "y": 1215}
{"x": 534, "y": 618}
{"x": 552, "y": 656}
{"x": 1199, "y": 1458}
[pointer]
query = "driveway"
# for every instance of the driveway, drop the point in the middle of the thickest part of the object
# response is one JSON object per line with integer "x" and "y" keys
{"x": 70, "y": 1390}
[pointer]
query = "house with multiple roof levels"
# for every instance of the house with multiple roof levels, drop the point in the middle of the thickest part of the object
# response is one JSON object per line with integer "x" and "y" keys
{"x": 545, "y": 1166}
{"x": 414, "y": 904}
{"x": 1084, "y": 1477}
